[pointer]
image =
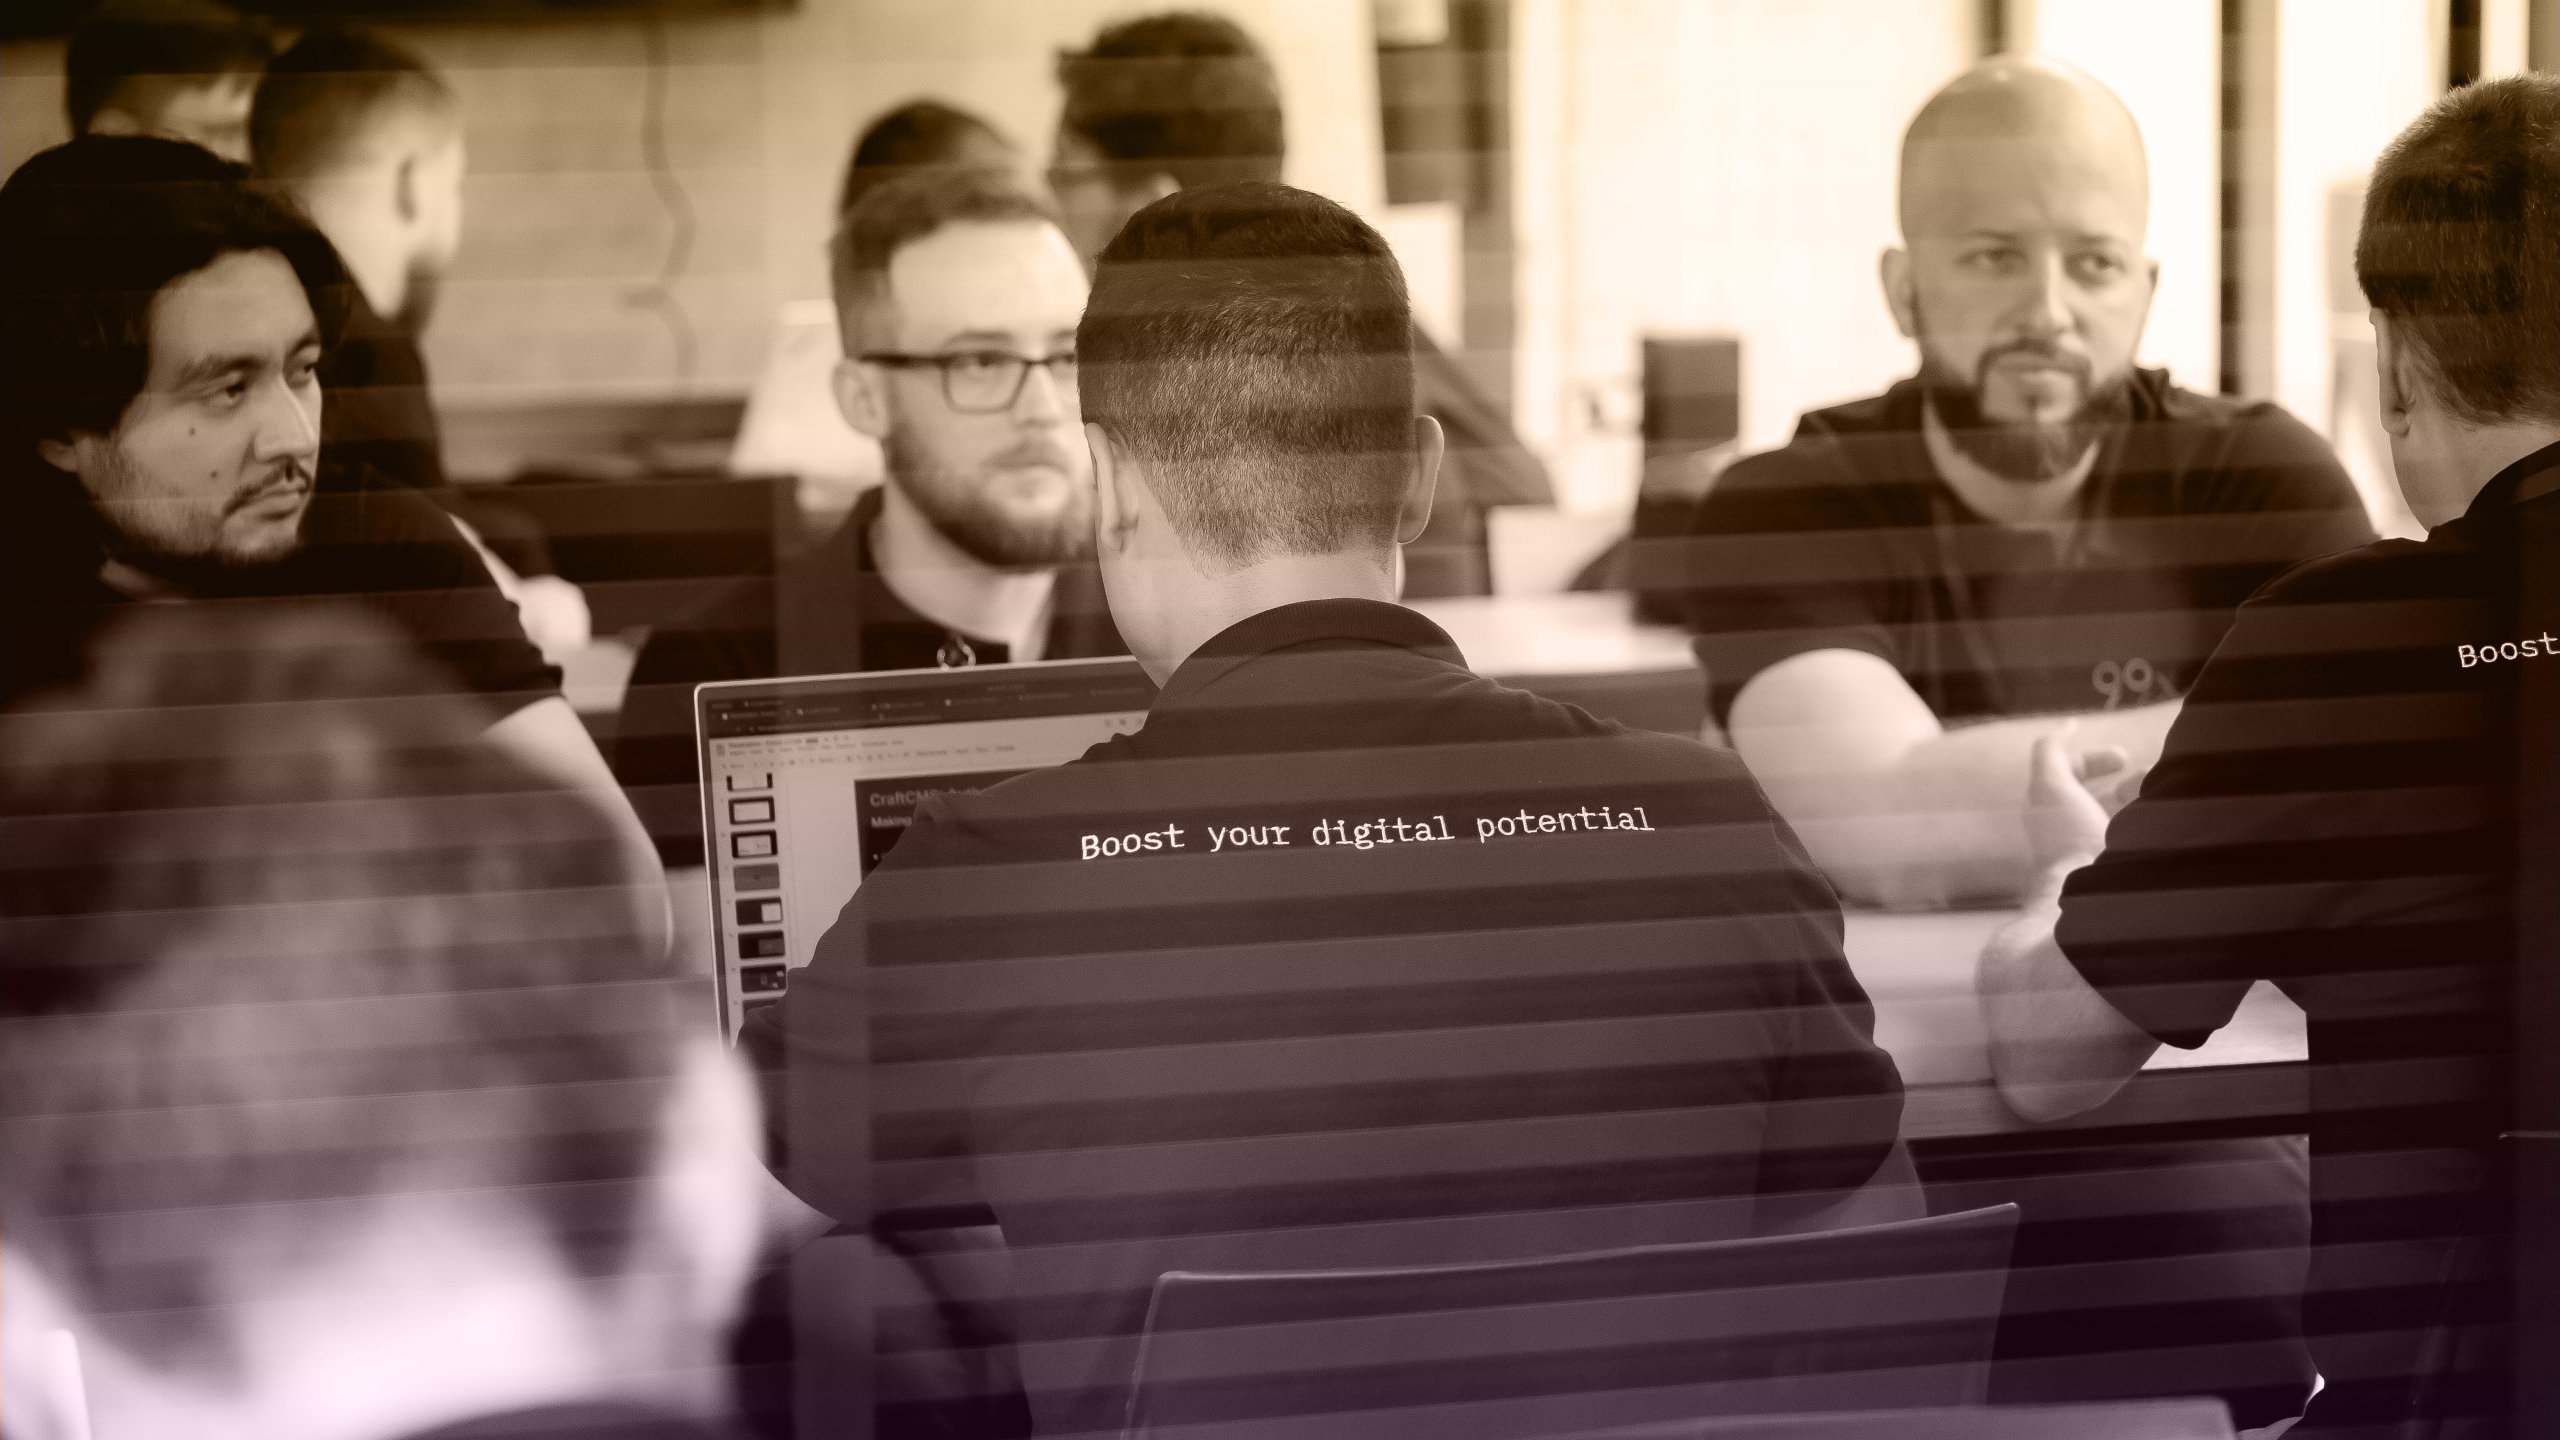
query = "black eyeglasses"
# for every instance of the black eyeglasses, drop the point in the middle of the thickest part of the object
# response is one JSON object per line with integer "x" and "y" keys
{"x": 980, "y": 382}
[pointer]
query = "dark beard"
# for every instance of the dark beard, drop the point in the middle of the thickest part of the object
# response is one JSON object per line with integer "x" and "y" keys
{"x": 952, "y": 504}
{"x": 2027, "y": 453}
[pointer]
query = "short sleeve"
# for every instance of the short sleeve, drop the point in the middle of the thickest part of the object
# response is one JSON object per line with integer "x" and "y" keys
{"x": 398, "y": 552}
{"x": 1779, "y": 564}
{"x": 1836, "y": 1097}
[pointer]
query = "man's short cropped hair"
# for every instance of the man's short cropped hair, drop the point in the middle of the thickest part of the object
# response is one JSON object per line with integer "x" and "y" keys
{"x": 323, "y": 97}
{"x": 90, "y": 233}
{"x": 1251, "y": 346}
{"x": 1183, "y": 94}
{"x": 2461, "y": 247}
{"x": 916, "y": 136}
{"x": 897, "y": 215}
{"x": 286, "y": 939}
{"x": 127, "y": 40}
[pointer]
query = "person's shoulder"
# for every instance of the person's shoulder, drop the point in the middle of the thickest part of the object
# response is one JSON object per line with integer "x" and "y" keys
{"x": 358, "y": 515}
{"x": 2166, "y": 399}
{"x": 744, "y": 613}
{"x": 2237, "y": 431}
{"x": 1578, "y": 744}
{"x": 728, "y": 634}
{"x": 1841, "y": 466}
{"x": 2383, "y": 570}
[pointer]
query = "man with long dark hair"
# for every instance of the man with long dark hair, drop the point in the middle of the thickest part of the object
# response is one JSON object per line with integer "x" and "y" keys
{"x": 164, "y": 323}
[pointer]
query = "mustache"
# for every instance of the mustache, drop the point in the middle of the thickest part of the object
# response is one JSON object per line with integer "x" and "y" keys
{"x": 2042, "y": 351}
{"x": 288, "y": 475}
{"x": 1037, "y": 451}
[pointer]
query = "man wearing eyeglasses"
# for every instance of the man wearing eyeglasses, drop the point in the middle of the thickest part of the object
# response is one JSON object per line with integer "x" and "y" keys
{"x": 957, "y": 296}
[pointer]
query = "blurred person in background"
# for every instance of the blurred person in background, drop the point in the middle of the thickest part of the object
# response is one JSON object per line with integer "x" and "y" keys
{"x": 957, "y": 296}
{"x": 922, "y": 135}
{"x": 2031, "y": 533}
{"x": 164, "y": 322}
{"x": 1186, "y": 98}
{"x": 183, "y": 69}
{"x": 1388, "y": 1044}
{"x": 367, "y": 139}
{"x": 2338, "y": 806}
{"x": 340, "y": 1096}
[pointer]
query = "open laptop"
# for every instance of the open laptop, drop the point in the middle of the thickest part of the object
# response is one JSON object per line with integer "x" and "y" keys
{"x": 807, "y": 782}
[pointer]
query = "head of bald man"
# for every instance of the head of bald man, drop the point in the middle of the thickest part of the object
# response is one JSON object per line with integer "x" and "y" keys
{"x": 2023, "y": 198}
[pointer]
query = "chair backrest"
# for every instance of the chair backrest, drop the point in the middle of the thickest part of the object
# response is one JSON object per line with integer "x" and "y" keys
{"x": 2192, "y": 1418}
{"x": 1880, "y": 1317}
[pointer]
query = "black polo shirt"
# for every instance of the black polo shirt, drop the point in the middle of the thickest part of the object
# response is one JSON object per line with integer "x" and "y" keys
{"x": 827, "y": 612}
{"x": 2334, "y": 812}
{"x": 364, "y": 541}
{"x": 1847, "y": 538}
{"x": 1348, "y": 957}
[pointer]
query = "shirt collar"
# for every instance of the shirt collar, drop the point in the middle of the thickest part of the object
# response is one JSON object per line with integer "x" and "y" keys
{"x": 2509, "y": 487}
{"x": 1308, "y": 624}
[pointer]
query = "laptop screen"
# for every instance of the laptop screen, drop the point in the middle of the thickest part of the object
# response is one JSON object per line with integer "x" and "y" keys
{"x": 807, "y": 783}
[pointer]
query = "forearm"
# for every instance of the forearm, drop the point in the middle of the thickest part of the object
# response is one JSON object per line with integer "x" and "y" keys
{"x": 1935, "y": 820}
{"x": 2058, "y": 1048}
{"x": 549, "y": 736}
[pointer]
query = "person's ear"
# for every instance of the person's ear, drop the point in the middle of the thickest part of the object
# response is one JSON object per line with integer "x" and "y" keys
{"x": 2391, "y": 372}
{"x": 1430, "y": 447}
{"x": 1115, "y": 510}
{"x": 1893, "y": 268}
{"x": 858, "y": 398}
{"x": 69, "y": 453}
{"x": 406, "y": 201}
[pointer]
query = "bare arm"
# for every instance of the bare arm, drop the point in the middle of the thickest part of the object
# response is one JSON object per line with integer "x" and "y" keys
{"x": 2058, "y": 1047}
{"x": 548, "y": 735}
{"x": 1900, "y": 810}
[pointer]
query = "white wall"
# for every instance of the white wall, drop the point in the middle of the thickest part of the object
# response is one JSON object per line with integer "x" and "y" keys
{"x": 2350, "y": 75}
{"x": 828, "y": 65}
{"x": 566, "y": 227}
{"x": 1709, "y": 165}
{"x": 2163, "y": 59}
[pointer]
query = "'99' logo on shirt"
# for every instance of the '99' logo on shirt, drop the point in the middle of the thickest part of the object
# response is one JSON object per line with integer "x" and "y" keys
{"x": 2132, "y": 682}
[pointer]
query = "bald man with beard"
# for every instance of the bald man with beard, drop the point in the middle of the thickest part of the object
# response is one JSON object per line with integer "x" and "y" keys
{"x": 2032, "y": 536}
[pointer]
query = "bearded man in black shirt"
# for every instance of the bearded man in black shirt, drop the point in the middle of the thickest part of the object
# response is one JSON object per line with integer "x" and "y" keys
{"x": 2030, "y": 532}
{"x": 957, "y": 296}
